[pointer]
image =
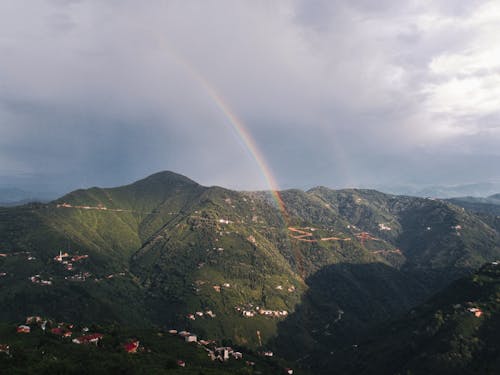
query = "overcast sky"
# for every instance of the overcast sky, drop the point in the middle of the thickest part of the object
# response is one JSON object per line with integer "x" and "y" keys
{"x": 335, "y": 93}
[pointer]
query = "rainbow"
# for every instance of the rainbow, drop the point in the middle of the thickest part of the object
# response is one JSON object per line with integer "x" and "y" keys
{"x": 240, "y": 130}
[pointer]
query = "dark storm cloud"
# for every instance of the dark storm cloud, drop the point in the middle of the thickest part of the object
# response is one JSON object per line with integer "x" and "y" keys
{"x": 334, "y": 92}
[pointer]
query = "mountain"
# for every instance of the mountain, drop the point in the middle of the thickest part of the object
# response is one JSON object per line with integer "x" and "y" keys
{"x": 236, "y": 266}
{"x": 456, "y": 331}
{"x": 481, "y": 189}
{"x": 489, "y": 205}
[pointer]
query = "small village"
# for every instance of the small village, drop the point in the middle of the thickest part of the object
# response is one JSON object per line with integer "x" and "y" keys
{"x": 70, "y": 261}
{"x": 84, "y": 336}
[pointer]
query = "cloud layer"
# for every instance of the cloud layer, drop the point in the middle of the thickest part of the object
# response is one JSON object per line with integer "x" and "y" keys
{"x": 333, "y": 92}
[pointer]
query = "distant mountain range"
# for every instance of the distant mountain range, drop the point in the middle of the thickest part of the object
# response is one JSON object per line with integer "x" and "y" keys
{"x": 11, "y": 196}
{"x": 304, "y": 276}
{"x": 478, "y": 190}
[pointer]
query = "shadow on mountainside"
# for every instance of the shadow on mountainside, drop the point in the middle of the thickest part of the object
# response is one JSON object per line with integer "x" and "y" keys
{"x": 342, "y": 303}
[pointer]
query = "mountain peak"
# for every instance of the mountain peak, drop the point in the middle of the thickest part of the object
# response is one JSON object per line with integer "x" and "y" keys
{"x": 166, "y": 177}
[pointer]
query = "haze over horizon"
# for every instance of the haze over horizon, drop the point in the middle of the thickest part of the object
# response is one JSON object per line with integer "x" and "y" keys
{"x": 334, "y": 93}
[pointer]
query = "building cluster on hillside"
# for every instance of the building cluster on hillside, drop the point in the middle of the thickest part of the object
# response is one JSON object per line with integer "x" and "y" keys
{"x": 201, "y": 314}
{"x": 61, "y": 329}
{"x": 250, "y": 312}
{"x": 37, "y": 279}
{"x": 131, "y": 346}
{"x": 81, "y": 276}
{"x": 66, "y": 330}
{"x": 384, "y": 227}
{"x": 215, "y": 352}
{"x": 67, "y": 260}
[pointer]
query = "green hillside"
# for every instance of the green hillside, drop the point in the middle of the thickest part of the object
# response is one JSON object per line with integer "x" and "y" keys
{"x": 231, "y": 265}
{"x": 455, "y": 332}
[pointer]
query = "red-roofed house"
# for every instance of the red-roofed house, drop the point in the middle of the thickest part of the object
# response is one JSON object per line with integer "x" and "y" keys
{"x": 131, "y": 347}
{"x": 23, "y": 329}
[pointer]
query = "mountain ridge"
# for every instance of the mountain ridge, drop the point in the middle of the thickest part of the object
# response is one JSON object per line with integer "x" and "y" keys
{"x": 163, "y": 249}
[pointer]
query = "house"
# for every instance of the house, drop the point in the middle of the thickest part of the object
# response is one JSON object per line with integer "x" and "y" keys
{"x": 268, "y": 353}
{"x": 181, "y": 363}
{"x": 476, "y": 311}
{"x": 190, "y": 316}
{"x": 184, "y": 333}
{"x": 23, "y": 329}
{"x": 223, "y": 352}
{"x": 89, "y": 339}
{"x": 191, "y": 338}
{"x": 61, "y": 256}
{"x": 237, "y": 355}
{"x": 199, "y": 313}
{"x": 384, "y": 227}
{"x": 172, "y": 331}
{"x": 4, "y": 348}
{"x": 33, "y": 319}
{"x": 288, "y": 371}
{"x": 131, "y": 347}
{"x": 210, "y": 313}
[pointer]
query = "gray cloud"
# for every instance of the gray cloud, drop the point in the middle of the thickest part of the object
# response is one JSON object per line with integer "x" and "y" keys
{"x": 334, "y": 92}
